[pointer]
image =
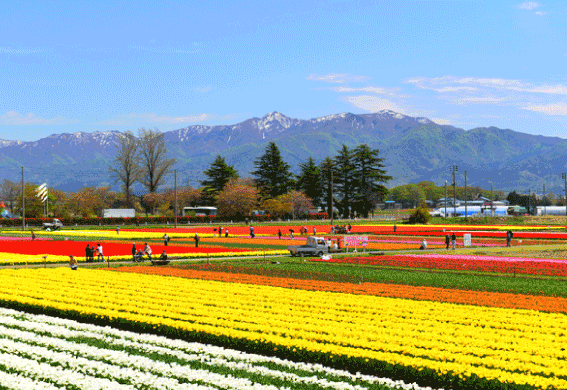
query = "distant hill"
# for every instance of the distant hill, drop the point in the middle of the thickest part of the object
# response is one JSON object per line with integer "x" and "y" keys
{"x": 414, "y": 149}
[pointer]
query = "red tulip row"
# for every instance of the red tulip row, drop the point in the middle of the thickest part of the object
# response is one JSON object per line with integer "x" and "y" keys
{"x": 529, "y": 266}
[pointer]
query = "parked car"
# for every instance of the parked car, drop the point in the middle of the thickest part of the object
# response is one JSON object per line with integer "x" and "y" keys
{"x": 315, "y": 246}
{"x": 55, "y": 225}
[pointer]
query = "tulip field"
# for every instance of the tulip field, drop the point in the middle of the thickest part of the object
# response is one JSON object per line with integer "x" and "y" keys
{"x": 439, "y": 319}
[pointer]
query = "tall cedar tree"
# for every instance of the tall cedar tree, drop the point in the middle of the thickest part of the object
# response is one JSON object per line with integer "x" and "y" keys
{"x": 344, "y": 177}
{"x": 218, "y": 175}
{"x": 153, "y": 162}
{"x": 369, "y": 173}
{"x": 125, "y": 168}
{"x": 326, "y": 168}
{"x": 272, "y": 174}
{"x": 310, "y": 182}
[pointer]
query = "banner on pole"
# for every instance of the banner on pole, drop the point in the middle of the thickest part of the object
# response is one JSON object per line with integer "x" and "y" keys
{"x": 41, "y": 192}
{"x": 356, "y": 240}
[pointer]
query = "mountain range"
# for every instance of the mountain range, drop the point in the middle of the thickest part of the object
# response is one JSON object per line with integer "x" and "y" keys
{"x": 414, "y": 149}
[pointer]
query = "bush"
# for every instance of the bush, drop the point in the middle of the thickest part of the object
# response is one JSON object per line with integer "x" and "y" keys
{"x": 420, "y": 215}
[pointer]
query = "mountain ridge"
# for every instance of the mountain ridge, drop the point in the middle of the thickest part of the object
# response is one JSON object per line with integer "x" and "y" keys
{"x": 414, "y": 149}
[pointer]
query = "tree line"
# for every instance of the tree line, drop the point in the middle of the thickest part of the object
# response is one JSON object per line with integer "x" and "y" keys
{"x": 352, "y": 182}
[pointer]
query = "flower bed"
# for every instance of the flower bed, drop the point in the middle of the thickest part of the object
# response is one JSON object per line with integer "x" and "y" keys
{"x": 456, "y": 346}
{"x": 43, "y": 352}
{"x": 422, "y": 293}
{"x": 518, "y": 265}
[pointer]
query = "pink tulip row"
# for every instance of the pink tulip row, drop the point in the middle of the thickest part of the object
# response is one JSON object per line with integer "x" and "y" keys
{"x": 488, "y": 258}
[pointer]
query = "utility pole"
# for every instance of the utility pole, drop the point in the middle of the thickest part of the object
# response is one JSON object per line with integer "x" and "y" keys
{"x": 544, "y": 202}
{"x": 491, "y": 200}
{"x": 564, "y": 176}
{"x": 332, "y": 205}
{"x": 454, "y": 170}
{"x": 466, "y": 214}
{"x": 529, "y": 200}
{"x": 175, "y": 205}
{"x": 23, "y": 203}
{"x": 445, "y": 199}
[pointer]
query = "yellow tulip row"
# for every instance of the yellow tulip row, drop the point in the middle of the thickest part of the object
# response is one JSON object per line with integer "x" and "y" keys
{"x": 516, "y": 346}
{"x": 112, "y": 234}
{"x": 16, "y": 258}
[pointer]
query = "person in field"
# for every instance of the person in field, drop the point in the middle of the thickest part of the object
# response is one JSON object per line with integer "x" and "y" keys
{"x": 165, "y": 239}
{"x": 73, "y": 263}
{"x": 196, "y": 240}
{"x": 148, "y": 250}
{"x": 280, "y": 234}
{"x": 134, "y": 251}
{"x": 99, "y": 253}
{"x": 423, "y": 245}
{"x": 88, "y": 254}
{"x": 453, "y": 239}
{"x": 447, "y": 241}
{"x": 225, "y": 233}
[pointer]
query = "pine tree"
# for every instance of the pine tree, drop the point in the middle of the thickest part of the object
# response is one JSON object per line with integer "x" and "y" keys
{"x": 326, "y": 168}
{"x": 369, "y": 173}
{"x": 344, "y": 179}
{"x": 218, "y": 175}
{"x": 309, "y": 181}
{"x": 272, "y": 174}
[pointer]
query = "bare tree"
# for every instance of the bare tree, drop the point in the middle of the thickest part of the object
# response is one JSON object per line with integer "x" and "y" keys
{"x": 125, "y": 168}
{"x": 152, "y": 159}
{"x": 10, "y": 192}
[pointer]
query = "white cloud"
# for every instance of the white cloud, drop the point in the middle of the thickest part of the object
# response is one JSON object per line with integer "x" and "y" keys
{"x": 441, "y": 121}
{"x": 373, "y": 104}
{"x": 480, "y": 99}
{"x": 22, "y": 50}
{"x": 475, "y": 83}
{"x": 204, "y": 89}
{"x": 15, "y": 118}
{"x": 529, "y": 5}
{"x": 540, "y": 13}
{"x": 550, "y": 109}
{"x": 128, "y": 119}
{"x": 338, "y": 78}
{"x": 163, "y": 49}
{"x": 454, "y": 89}
{"x": 378, "y": 90}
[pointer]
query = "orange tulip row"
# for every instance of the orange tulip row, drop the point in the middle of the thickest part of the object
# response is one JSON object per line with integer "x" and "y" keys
{"x": 479, "y": 298}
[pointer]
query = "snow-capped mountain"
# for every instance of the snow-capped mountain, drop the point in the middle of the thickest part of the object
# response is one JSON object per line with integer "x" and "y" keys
{"x": 413, "y": 148}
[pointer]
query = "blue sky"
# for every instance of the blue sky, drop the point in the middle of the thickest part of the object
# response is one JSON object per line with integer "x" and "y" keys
{"x": 70, "y": 66}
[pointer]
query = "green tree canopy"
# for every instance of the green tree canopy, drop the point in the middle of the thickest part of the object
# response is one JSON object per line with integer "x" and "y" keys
{"x": 369, "y": 175}
{"x": 344, "y": 178}
{"x": 218, "y": 175}
{"x": 310, "y": 181}
{"x": 326, "y": 168}
{"x": 272, "y": 174}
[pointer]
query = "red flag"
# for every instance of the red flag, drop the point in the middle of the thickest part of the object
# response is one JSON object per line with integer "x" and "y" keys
{"x": 2, "y": 204}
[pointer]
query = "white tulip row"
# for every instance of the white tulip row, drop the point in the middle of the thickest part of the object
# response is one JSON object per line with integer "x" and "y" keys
{"x": 26, "y": 338}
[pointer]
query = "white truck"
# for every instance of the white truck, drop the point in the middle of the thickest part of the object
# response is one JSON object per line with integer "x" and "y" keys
{"x": 315, "y": 246}
{"x": 55, "y": 225}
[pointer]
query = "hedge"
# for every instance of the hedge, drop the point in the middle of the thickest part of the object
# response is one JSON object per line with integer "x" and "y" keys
{"x": 182, "y": 220}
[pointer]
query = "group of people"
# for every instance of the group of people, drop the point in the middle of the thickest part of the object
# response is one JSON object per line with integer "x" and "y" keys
{"x": 138, "y": 254}
{"x": 341, "y": 229}
{"x": 450, "y": 239}
{"x": 220, "y": 229}
{"x": 91, "y": 251}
